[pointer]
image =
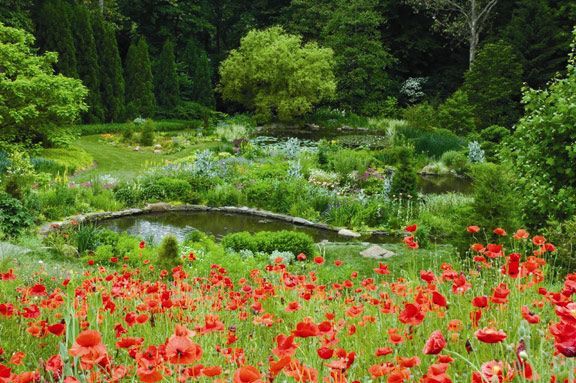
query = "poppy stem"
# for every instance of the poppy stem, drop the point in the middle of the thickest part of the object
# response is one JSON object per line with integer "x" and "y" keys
{"x": 466, "y": 360}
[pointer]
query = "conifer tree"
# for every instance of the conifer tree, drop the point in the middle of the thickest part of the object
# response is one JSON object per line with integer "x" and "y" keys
{"x": 166, "y": 79}
{"x": 54, "y": 31}
{"x": 140, "y": 100}
{"x": 198, "y": 73}
{"x": 111, "y": 76}
{"x": 87, "y": 59}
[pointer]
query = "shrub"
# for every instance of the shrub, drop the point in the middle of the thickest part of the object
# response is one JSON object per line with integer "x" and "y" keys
{"x": 240, "y": 241}
{"x": 563, "y": 235}
{"x": 494, "y": 200}
{"x": 420, "y": 116}
{"x": 168, "y": 253}
{"x": 437, "y": 142}
{"x": 456, "y": 114}
{"x": 174, "y": 189}
{"x": 346, "y": 161}
{"x": 405, "y": 177}
{"x": 147, "y": 137}
{"x": 224, "y": 195}
{"x": 86, "y": 236}
{"x": 292, "y": 241}
{"x": 14, "y": 215}
{"x": 454, "y": 160}
{"x": 57, "y": 202}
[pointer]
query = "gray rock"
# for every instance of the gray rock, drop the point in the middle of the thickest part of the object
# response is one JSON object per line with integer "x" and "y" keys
{"x": 160, "y": 206}
{"x": 348, "y": 233}
{"x": 377, "y": 252}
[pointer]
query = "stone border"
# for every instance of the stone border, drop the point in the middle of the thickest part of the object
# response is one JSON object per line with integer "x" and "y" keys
{"x": 162, "y": 207}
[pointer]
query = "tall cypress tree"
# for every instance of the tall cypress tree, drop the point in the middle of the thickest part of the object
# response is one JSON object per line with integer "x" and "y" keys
{"x": 198, "y": 72}
{"x": 87, "y": 59}
{"x": 140, "y": 100}
{"x": 166, "y": 78}
{"x": 54, "y": 31}
{"x": 111, "y": 76}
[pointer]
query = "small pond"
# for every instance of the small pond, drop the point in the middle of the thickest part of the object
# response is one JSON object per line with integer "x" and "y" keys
{"x": 155, "y": 226}
{"x": 431, "y": 184}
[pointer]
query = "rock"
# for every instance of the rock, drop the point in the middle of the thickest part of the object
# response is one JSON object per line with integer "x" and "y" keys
{"x": 157, "y": 146}
{"x": 377, "y": 252}
{"x": 348, "y": 233}
{"x": 136, "y": 149}
{"x": 159, "y": 206}
{"x": 157, "y": 151}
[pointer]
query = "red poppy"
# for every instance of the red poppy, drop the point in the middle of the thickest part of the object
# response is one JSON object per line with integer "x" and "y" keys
{"x": 89, "y": 348}
{"x": 411, "y": 228}
{"x": 500, "y": 232}
{"x": 490, "y": 335}
{"x": 521, "y": 234}
{"x": 180, "y": 349}
{"x": 412, "y": 314}
{"x": 325, "y": 352}
{"x": 473, "y": 229}
{"x": 318, "y": 260}
{"x": 435, "y": 343}
{"x": 142, "y": 244}
{"x": 247, "y": 374}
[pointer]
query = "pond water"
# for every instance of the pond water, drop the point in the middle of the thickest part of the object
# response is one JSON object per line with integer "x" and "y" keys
{"x": 157, "y": 226}
{"x": 429, "y": 184}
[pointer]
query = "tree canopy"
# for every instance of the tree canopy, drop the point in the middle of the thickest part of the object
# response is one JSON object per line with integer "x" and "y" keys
{"x": 276, "y": 75}
{"x": 34, "y": 100}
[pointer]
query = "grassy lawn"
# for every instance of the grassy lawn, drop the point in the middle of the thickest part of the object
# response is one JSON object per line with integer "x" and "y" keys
{"x": 123, "y": 162}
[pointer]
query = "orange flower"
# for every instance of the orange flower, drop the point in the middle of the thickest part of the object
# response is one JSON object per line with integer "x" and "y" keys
{"x": 247, "y": 374}
{"x": 89, "y": 348}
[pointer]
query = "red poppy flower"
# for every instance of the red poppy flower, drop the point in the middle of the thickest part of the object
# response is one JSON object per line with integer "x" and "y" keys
{"x": 412, "y": 314}
{"x": 521, "y": 234}
{"x": 89, "y": 348}
{"x": 318, "y": 260}
{"x": 473, "y": 229}
{"x": 325, "y": 352}
{"x": 490, "y": 335}
{"x": 411, "y": 228}
{"x": 435, "y": 343}
{"x": 247, "y": 374}
{"x": 500, "y": 232}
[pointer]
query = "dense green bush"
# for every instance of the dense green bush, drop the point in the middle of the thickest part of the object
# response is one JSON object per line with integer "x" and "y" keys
{"x": 86, "y": 236}
{"x": 15, "y": 216}
{"x": 269, "y": 241}
{"x": 457, "y": 161}
{"x": 240, "y": 241}
{"x": 345, "y": 161}
{"x": 147, "y": 137}
{"x": 495, "y": 203}
{"x": 420, "y": 116}
{"x": 563, "y": 235}
{"x": 437, "y": 142}
{"x": 168, "y": 253}
{"x": 224, "y": 195}
{"x": 456, "y": 114}
{"x": 405, "y": 177}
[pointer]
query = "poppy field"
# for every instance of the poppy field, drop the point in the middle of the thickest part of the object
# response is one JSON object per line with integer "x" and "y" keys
{"x": 492, "y": 318}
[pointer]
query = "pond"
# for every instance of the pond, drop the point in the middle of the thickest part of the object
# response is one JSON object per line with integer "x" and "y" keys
{"x": 155, "y": 226}
{"x": 431, "y": 184}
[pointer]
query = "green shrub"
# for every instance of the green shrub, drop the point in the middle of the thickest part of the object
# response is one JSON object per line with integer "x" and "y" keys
{"x": 147, "y": 137}
{"x": 86, "y": 236}
{"x": 405, "y": 177}
{"x": 495, "y": 204}
{"x": 224, "y": 195}
{"x": 437, "y": 142}
{"x": 563, "y": 235}
{"x": 44, "y": 165}
{"x": 58, "y": 201}
{"x": 456, "y": 114}
{"x": 457, "y": 161}
{"x": 292, "y": 241}
{"x": 163, "y": 188}
{"x": 14, "y": 215}
{"x": 168, "y": 253}
{"x": 343, "y": 213}
{"x": 240, "y": 241}
{"x": 129, "y": 193}
{"x": 346, "y": 161}
{"x": 420, "y": 116}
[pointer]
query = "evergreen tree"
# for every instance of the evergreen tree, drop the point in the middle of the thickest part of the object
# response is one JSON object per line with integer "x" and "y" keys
{"x": 538, "y": 40}
{"x": 353, "y": 32}
{"x": 87, "y": 59}
{"x": 197, "y": 73}
{"x": 166, "y": 79}
{"x": 111, "y": 76}
{"x": 494, "y": 85}
{"x": 140, "y": 100}
{"x": 54, "y": 31}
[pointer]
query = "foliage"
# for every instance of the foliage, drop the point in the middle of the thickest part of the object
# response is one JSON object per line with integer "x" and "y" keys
{"x": 404, "y": 182}
{"x": 54, "y": 31}
{"x": 361, "y": 60}
{"x": 165, "y": 78}
{"x": 34, "y": 100}
{"x": 547, "y": 178}
{"x": 494, "y": 198}
{"x": 147, "y": 137}
{"x": 19, "y": 176}
{"x": 457, "y": 114}
{"x": 493, "y": 85}
{"x": 140, "y": 100}
{"x": 86, "y": 236}
{"x": 564, "y": 235}
{"x": 421, "y": 116}
{"x": 112, "y": 85}
{"x": 475, "y": 152}
{"x": 15, "y": 215}
{"x": 275, "y": 75}
{"x": 270, "y": 241}
{"x": 346, "y": 161}
{"x": 70, "y": 160}
{"x": 456, "y": 161}
{"x": 88, "y": 66}
{"x": 196, "y": 75}
{"x": 168, "y": 253}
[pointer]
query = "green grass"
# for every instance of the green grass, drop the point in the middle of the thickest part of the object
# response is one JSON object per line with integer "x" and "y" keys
{"x": 123, "y": 162}
{"x": 161, "y": 126}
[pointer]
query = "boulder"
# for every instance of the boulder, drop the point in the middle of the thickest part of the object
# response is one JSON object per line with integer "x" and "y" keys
{"x": 377, "y": 252}
{"x": 159, "y": 206}
{"x": 348, "y": 233}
